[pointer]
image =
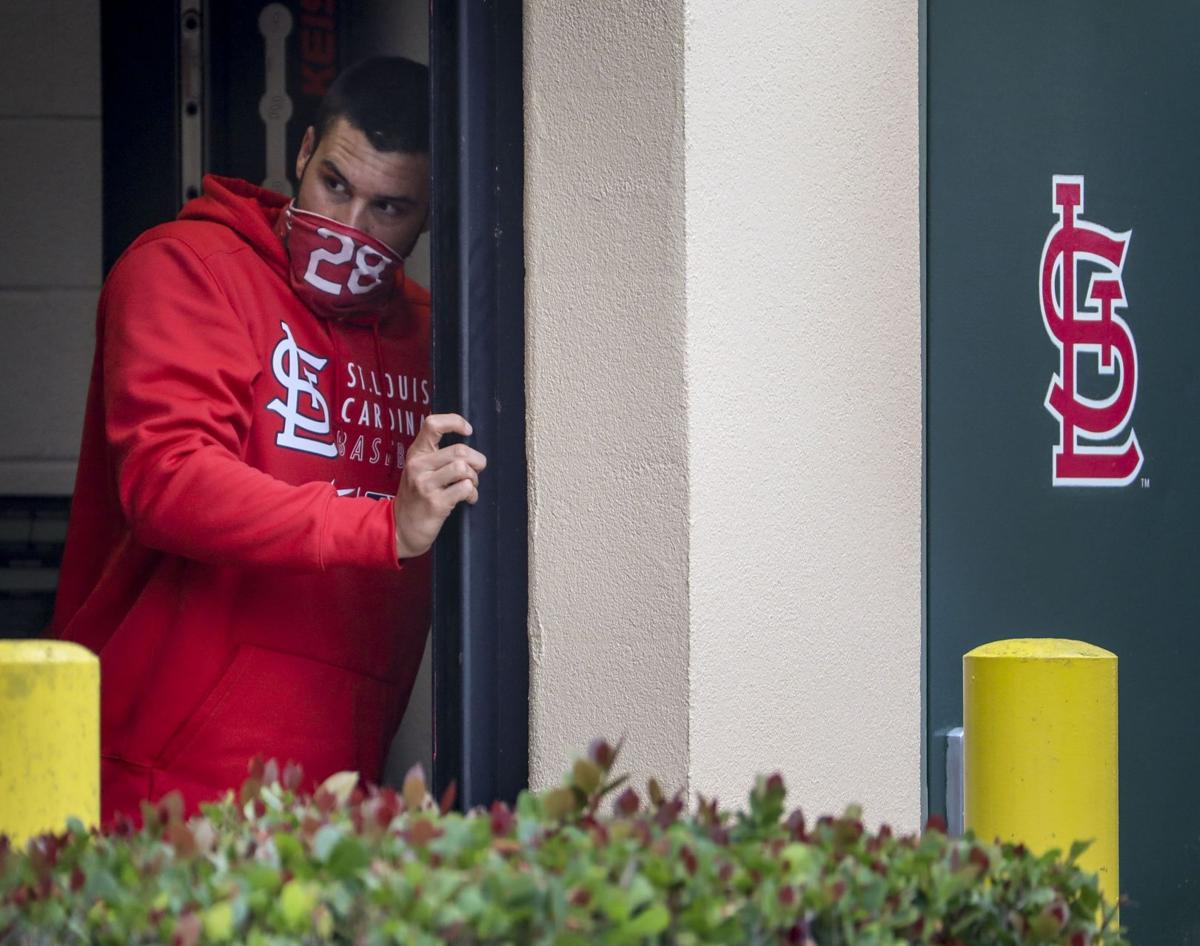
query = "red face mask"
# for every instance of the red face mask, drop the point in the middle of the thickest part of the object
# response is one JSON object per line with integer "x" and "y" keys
{"x": 336, "y": 270}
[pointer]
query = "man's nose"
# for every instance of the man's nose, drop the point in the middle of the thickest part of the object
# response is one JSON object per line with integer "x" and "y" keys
{"x": 355, "y": 214}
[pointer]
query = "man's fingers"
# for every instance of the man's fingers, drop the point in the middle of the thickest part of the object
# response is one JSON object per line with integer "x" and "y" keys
{"x": 434, "y": 427}
{"x": 453, "y": 472}
{"x": 462, "y": 491}
{"x": 458, "y": 453}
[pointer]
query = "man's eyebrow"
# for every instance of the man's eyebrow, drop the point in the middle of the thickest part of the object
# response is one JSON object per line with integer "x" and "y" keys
{"x": 333, "y": 169}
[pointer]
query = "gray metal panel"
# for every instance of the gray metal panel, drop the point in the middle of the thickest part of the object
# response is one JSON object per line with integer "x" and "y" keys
{"x": 955, "y": 779}
{"x": 1019, "y": 92}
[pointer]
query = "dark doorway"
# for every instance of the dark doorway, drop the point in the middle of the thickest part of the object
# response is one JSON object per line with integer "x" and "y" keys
{"x": 195, "y": 88}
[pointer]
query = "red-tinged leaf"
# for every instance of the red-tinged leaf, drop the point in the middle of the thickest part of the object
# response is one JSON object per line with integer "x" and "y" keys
{"x": 77, "y": 879}
{"x": 325, "y": 801}
{"x": 628, "y": 802}
{"x": 1056, "y": 912}
{"x": 690, "y": 863}
{"x": 389, "y": 805}
{"x": 669, "y": 812}
{"x": 421, "y": 832}
{"x": 180, "y": 837}
{"x": 270, "y": 774}
{"x": 123, "y": 825}
{"x": 187, "y": 930}
{"x": 707, "y": 812}
{"x": 787, "y": 897}
{"x": 309, "y": 825}
{"x": 256, "y": 767}
{"x": 979, "y": 859}
{"x": 249, "y": 790}
{"x": 501, "y": 819}
{"x": 293, "y": 776}
{"x": 449, "y": 796}
{"x": 795, "y": 825}
{"x": 170, "y": 807}
{"x": 936, "y": 823}
{"x": 655, "y": 792}
{"x": 600, "y": 752}
{"x": 580, "y": 897}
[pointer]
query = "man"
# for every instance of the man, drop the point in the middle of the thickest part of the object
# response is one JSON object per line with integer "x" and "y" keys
{"x": 258, "y": 481}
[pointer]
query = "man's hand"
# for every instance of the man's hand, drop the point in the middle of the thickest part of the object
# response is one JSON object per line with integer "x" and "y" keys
{"x": 434, "y": 482}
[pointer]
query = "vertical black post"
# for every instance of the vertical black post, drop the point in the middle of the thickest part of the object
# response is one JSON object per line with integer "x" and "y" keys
{"x": 480, "y": 643}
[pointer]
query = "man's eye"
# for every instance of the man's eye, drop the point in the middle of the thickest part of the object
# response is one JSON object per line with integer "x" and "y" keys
{"x": 384, "y": 207}
{"x": 334, "y": 185}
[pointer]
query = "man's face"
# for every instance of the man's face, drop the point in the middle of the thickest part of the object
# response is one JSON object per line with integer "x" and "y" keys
{"x": 383, "y": 193}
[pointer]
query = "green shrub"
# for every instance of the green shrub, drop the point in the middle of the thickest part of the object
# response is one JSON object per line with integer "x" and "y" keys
{"x": 373, "y": 867}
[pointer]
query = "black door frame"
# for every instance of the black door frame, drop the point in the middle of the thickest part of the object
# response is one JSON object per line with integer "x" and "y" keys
{"x": 480, "y": 641}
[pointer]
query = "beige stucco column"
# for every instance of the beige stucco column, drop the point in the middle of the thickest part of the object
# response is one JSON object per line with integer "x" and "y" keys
{"x": 607, "y": 398}
{"x": 725, "y": 392}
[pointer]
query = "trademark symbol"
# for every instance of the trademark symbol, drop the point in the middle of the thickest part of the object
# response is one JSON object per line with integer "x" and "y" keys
{"x": 1145, "y": 481}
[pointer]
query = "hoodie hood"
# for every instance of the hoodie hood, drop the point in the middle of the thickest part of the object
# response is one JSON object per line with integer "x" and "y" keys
{"x": 253, "y": 213}
{"x": 248, "y": 210}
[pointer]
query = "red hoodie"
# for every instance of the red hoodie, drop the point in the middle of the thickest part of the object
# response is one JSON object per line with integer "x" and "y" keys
{"x": 231, "y": 551}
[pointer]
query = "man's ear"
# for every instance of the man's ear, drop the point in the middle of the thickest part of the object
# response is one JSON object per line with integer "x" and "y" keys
{"x": 305, "y": 152}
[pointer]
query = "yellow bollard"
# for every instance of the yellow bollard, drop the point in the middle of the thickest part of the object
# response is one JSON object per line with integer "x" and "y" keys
{"x": 49, "y": 736}
{"x": 1040, "y": 748}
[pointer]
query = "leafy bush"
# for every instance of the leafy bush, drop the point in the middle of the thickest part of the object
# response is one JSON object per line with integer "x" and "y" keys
{"x": 345, "y": 865}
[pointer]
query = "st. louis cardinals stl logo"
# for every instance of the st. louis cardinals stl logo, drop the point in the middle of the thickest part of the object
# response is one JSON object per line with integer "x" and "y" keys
{"x": 297, "y": 370}
{"x": 1079, "y": 254}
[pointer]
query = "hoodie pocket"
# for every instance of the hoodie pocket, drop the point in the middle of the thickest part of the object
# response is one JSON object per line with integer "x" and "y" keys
{"x": 276, "y": 705}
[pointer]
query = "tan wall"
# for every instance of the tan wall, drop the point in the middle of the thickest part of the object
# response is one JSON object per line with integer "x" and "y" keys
{"x": 606, "y": 385}
{"x": 804, "y": 370}
{"x": 725, "y": 392}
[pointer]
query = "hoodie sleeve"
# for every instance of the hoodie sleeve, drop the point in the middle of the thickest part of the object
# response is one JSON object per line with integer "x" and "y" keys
{"x": 179, "y": 367}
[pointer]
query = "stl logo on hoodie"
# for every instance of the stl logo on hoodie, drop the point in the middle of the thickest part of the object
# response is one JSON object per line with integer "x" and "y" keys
{"x": 295, "y": 369}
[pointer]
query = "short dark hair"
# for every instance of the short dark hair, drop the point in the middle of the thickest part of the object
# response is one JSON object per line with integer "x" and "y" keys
{"x": 384, "y": 97}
